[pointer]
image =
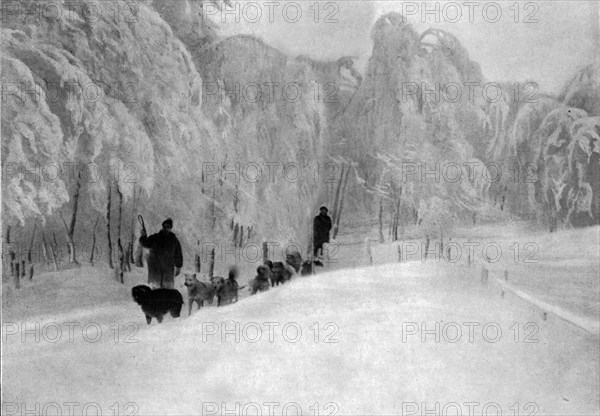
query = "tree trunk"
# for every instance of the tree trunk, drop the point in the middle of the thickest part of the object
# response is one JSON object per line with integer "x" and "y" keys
{"x": 120, "y": 260}
{"x": 469, "y": 254}
{"x": 75, "y": 204}
{"x": 45, "y": 250}
{"x": 17, "y": 276}
{"x": 126, "y": 263}
{"x": 139, "y": 255}
{"x": 70, "y": 229}
{"x": 132, "y": 229}
{"x": 396, "y": 220}
{"x": 197, "y": 259}
{"x": 337, "y": 196}
{"x": 390, "y": 235}
{"x": 553, "y": 222}
{"x": 503, "y": 198}
{"x": 94, "y": 241}
{"x": 120, "y": 255}
{"x": 211, "y": 264}
{"x": 341, "y": 206}
{"x": 70, "y": 242}
{"x": 54, "y": 248}
{"x": 29, "y": 259}
{"x": 241, "y": 236}
{"x": 11, "y": 252}
{"x": 109, "y": 196}
{"x": 381, "y": 220}
{"x": 265, "y": 249}
{"x": 426, "y": 245}
{"x": 54, "y": 257}
{"x": 236, "y": 198}
{"x": 398, "y": 212}
{"x": 213, "y": 209}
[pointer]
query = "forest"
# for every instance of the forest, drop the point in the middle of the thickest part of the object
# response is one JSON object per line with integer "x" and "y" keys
{"x": 108, "y": 119}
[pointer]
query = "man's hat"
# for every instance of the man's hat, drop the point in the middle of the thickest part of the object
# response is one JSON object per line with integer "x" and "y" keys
{"x": 168, "y": 222}
{"x": 324, "y": 207}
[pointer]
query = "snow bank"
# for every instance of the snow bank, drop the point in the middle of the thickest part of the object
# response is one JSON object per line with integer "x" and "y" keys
{"x": 378, "y": 340}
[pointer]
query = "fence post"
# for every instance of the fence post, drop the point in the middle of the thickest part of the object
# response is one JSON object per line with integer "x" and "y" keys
{"x": 484, "y": 275}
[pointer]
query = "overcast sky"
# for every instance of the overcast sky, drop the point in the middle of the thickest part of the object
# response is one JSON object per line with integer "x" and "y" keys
{"x": 548, "y": 51}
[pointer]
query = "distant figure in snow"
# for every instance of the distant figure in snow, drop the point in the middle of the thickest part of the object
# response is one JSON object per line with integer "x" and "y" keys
{"x": 321, "y": 228}
{"x": 165, "y": 258}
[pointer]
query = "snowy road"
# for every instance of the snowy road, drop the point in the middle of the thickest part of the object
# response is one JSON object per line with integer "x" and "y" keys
{"x": 390, "y": 339}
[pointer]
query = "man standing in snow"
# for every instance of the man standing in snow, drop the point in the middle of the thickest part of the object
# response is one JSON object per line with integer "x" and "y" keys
{"x": 321, "y": 228}
{"x": 165, "y": 259}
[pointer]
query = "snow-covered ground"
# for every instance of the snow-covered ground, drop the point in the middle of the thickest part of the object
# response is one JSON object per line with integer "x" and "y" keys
{"x": 395, "y": 338}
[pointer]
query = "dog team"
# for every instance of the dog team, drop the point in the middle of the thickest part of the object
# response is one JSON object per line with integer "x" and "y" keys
{"x": 165, "y": 261}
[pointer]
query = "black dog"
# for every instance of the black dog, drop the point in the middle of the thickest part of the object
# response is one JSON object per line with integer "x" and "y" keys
{"x": 156, "y": 303}
{"x": 280, "y": 273}
{"x": 261, "y": 282}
